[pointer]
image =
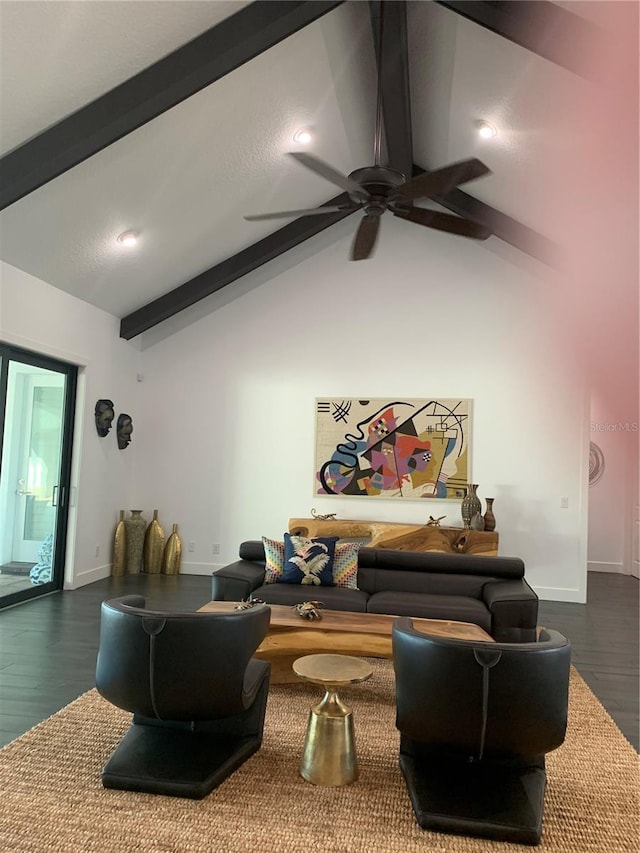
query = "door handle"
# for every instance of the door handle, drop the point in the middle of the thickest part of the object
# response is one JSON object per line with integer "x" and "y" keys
{"x": 54, "y": 497}
{"x": 23, "y": 492}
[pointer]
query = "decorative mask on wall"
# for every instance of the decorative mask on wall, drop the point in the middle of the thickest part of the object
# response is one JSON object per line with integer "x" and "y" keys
{"x": 104, "y": 414}
{"x": 124, "y": 430}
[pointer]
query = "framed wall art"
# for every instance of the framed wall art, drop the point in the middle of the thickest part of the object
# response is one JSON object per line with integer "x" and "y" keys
{"x": 393, "y": 448}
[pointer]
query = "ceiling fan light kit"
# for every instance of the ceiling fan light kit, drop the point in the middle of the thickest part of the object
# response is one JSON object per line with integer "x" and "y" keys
{"x": 377, "y": 189}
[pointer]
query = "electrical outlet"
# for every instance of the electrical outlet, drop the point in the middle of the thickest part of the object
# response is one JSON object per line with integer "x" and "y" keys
{"x": 191, "y": 547}
{"x": 215, "y": 548}
{"x": 564, "y": 503}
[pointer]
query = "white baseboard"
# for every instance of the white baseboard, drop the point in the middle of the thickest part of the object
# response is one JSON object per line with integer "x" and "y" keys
{"x": 574, "y": 596}
{"x": 88, "y": 576}
{"x": 101, "y": 572}
{"x": 615, "y": 568}
{"x": 200, "y": 568}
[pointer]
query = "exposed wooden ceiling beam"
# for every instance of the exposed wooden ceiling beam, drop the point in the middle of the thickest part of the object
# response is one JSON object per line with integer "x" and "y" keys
{"x": 396, "y": 111}
{"x": 397, "y": 118}
{"x": 230, "y": 270}
{"x": 505, "y": 227}
{"x": 542, "y": 27}
{"x": 182, "y": 73}
{"x": 393, "y": 69}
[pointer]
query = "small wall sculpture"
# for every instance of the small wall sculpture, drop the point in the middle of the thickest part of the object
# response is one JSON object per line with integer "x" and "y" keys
{"x": 104, "y": 415}
{"x": 124, "y": 430}
{"x": 596, "y": 463}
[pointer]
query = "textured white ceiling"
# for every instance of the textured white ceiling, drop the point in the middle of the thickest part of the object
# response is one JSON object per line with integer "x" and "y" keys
{"x": 185, "y": 179}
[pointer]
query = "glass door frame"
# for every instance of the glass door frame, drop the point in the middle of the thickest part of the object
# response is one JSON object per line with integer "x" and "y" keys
{"x": 9, "y": 353}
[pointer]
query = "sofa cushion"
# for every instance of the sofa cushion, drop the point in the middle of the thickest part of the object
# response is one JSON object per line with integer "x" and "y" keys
{"x": 433, "y": 583}
{"x": 436, "y": 561}
{"x": 308, "y": 561}
{"x": 274, "y": 559}
{"x": 333, "y": 597}
{"x": 455, "y": 608}
{"x": 345, "y": 565}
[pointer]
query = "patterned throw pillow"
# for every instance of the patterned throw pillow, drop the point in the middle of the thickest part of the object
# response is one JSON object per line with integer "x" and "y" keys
{"x": 274, "y": 560}
{"x": 345, "y": 564}
{"x": 308, "y": 561}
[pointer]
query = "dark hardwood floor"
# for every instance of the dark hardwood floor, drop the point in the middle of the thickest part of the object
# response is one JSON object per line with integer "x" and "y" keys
{"x": 48, "y": 646}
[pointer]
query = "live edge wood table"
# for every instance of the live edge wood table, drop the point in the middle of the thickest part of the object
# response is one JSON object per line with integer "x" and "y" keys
{"x": 402, "y": 537}
{"x": 338, "y": 632}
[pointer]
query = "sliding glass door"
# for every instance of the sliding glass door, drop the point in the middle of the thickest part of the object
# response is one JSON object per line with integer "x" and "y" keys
{"x": 37, "y": 399}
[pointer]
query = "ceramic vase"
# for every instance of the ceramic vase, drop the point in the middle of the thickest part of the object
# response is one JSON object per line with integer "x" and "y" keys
{"x": 470, "y": 504}
{"x": 153, "y": 546}
{"x": 489, "y": 517}
{"x": 135, "y": 527}
{"x": 172, "y": 553}
{"x": 477, "y": 522}
{"x": 119, "y": 555}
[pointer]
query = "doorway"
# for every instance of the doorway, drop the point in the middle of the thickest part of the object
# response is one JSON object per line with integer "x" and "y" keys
{"x": 37, "y": 403}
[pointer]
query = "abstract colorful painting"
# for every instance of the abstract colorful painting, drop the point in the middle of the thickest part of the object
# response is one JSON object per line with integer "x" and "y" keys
{"x": 386, "y": 448}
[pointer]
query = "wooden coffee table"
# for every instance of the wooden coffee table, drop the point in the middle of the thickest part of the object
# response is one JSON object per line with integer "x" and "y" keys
{"x": 338, "y": 632}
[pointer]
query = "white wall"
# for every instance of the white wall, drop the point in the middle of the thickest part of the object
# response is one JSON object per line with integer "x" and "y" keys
{"x": 613, "y": 500}
{"x": 226, "y": 422}
{"x": 38, "y": 317}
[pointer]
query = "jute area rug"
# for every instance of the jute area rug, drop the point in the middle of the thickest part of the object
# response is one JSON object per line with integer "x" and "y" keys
{"x": 51, "y": 797}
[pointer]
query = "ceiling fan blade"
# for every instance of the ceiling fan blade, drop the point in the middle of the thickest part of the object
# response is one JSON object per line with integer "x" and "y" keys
{"x": 443, "y": 180}
{"x": 330, "y": 174}
{"x": 444, "y": 222}
{"x": 365, "y": 240}
{"x": 312, "y": 211}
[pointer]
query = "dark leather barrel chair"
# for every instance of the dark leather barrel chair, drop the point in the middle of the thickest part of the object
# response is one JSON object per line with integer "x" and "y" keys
{"x": 197, "y": 695}
{"x": 476, "y": 720}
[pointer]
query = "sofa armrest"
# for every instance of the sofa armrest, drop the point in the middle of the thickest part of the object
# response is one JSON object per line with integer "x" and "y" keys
{"x": 236, "y": 581}
{"x": 514, "y": 610}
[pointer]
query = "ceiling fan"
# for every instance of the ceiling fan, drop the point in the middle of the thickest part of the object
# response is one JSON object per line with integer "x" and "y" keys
{"x": 377, "y": 189}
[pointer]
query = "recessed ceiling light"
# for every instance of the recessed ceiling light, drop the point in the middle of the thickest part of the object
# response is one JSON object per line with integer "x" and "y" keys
{"x": 128, "y": 238}
{"x": 303, "y": 136}
{"x": 486, "y": 130}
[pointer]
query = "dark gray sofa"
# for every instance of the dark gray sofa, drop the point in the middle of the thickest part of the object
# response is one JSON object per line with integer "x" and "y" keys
{"x": 488, "y": 591}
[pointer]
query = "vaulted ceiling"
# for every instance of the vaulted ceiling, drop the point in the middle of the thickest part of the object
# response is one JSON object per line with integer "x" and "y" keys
{"x": 174, "y": 119}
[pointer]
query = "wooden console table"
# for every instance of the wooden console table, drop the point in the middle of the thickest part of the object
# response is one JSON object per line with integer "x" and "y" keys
{"x": 401, "y": 537}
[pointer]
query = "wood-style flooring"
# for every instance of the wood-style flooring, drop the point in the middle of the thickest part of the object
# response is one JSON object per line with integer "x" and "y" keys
{"x": 48, "y": 646}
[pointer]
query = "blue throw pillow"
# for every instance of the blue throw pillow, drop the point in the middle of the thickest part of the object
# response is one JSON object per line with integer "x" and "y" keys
{"x": 308, "y": 561}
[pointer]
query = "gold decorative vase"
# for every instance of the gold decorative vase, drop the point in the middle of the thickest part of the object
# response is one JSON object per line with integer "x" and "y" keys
{"x": 119, "y": 555}
{"x": 153, "y": 546}
{"x": 172, "y": 553}
{"x": 135, "y": 526}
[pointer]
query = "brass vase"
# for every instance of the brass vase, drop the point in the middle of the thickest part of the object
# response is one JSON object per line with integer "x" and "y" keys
{"x": 135, "y": 526}
{"x": 153, "y": 546}
{"x": 119, "y": 555}
{"x": 489, "y": 517}
{"x": 172, "y": 553}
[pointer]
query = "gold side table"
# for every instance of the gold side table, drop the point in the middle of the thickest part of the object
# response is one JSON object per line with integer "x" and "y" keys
{"x": 329, "y": 754}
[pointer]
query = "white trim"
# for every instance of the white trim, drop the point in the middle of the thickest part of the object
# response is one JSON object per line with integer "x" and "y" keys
{"x": 575, "y": 596}
{"x": 89, "y": 576}
{"x": 617, "y": 568}
{"x": 200, "y": 568}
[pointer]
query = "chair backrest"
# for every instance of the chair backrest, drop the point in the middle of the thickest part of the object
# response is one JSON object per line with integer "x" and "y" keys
{"x": 481, "y": 699}
{"x": 176, "y": 666}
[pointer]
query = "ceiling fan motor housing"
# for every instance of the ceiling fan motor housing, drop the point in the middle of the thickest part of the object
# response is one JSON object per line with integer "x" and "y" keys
{"x": 380, "y": 182}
